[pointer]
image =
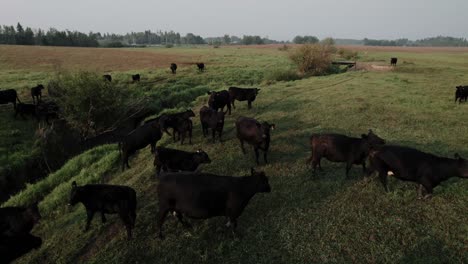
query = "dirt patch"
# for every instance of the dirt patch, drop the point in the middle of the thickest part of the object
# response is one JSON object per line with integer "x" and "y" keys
{"x": 373, "y": 66}
{"x": 99, "y": 59}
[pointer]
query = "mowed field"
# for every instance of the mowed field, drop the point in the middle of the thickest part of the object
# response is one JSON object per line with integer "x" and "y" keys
{"x": 305, "y": 219}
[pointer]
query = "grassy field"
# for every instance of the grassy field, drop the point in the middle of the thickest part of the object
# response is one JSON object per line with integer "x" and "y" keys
{"x": 305, "y": 219}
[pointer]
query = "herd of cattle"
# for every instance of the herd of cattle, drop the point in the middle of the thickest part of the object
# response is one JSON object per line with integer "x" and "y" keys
{"x": 184, "y": 190}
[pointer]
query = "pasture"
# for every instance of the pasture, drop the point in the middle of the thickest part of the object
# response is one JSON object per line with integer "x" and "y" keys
{"x": 305, "y": 219}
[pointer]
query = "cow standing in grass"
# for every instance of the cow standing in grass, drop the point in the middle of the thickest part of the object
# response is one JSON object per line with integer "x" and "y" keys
{"x": 254, "y": 133}
{"x": 9, "y": 96}
{"x": 393, "y": 61}
{"x": 36, "y": 93}
{"x": 243, "y": 94}
{"x": 136, "y": 77}
{"x": 177, "y": 160}
{"x": 107, "y": 77}
{"x": 173, "y": 68}
{"x": 461, "y": 94}
{"x": 18, "y": 220}
{"x": 409, "y": 164}
{"x": 204, "y": 195}
{"x": 180, "y": 124}
{"x": 218, "y": 100}
{"x": 201, "y": 66}
{"x": 211, "y": 119}
{"x": 341, "y": 148}
{"x": 106, "y": 199}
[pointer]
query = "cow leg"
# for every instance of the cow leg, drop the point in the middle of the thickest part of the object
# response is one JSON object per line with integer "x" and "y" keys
{"x": 348, "y": 167}
{"x": 213, "y": 132}
{"x": 103, "y": 217}
{"x": 424, "y": 182}
{"x": 182, "y": 136}
{"x": 242, "y": 145}
{"x": 153, "y": 146}
{"x": 190, "y": 135}
{"x": 229, "y": 108}
{"x": 127, "y": 220}
{"x": 265, "y": 156}
{"x": 161, "y": 218}
{"x": 364, "y": 167}
{"x": 204, "y": 129}
{"x": 256, "y": 155}
{"x": 383, "y": 178}
{"x": 158, "y": 169}
{"x": 90, "y": 215}
{"x": 249, "y": 104}
{"x": 220, "y": 133}
{"x": 233, "y": 105}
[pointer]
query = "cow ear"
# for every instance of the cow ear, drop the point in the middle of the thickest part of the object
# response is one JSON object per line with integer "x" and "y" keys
{"x": 457, "y": 156}
{"x": 272, "y": 126}
{"x": 199, "y": 151}
{"x": 74, "y": 184}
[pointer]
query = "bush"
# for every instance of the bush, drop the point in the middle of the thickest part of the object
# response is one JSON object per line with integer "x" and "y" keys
{"x": 280, "y": 75}
{"x": 284, "y": 48}
{"x": 169, "y": 46}
{"x": 348, "y": 54}
{"x": 90, "y": 104}
{"x": 313, "y": 59}
{"x": 116, "y": 44}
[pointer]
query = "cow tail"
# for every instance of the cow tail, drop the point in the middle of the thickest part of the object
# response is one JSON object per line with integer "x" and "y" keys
{"x": 17, "y": 98}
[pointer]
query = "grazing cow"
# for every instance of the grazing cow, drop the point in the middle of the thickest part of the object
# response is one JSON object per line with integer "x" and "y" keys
{"x": 47, "y": 110}
{"x": 9, "y": 96}
{"x": 182, "y": 127}
{"x": 36, "y": 93}
{"x": 13, "y": 247}
{"x": 18, "y": 220}
{"x": 147, "y": 134}
{"x": 243, "y": 94}
{"x": 393, "y": 61}
{"x": 341, "y": 148}
{"x": 254, "y": 133}
{"x": 107, "y": 77}
{"x": 203, "y": 195}
{"x": 461, "y": 94}
{"x": 178, "y": 160}
{"x": 26, "y": 109}
{"x": 201, "y": 66}
{"x": 218, "y": 100}
{"x": 173, "y": 68}
{"x": 136, "y": 77}
{"x": 409, "y": 164}
{"x": 212, "y": 119}
{"x": 106, "y": 199}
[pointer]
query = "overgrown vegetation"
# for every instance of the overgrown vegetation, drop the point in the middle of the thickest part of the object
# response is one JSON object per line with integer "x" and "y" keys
{"x": 313, "y": 59}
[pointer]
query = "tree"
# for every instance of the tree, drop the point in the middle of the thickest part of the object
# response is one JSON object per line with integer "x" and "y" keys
{"x": 226, "y": 39}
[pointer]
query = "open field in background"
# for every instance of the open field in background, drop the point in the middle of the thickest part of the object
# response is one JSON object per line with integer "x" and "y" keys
{"x": 304, "y": 219}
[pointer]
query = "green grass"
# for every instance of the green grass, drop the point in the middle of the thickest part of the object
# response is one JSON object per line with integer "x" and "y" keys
{"x": 305, "y": 219}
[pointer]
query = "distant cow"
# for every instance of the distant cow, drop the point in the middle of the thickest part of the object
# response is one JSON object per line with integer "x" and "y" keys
{"x": 461, "y": 94}
{"x": 9, "y": 96}
{"x": 243, "y": 94}
{"x": 173, "y": 68}
{"x": 136, "y": 77}
{"x": 13, "y": 247}
{"x": 409, "y": 164}
{"x": 201, "y": 66}
{"x": 106, "y": 199}
{"x": 18, "y": 220}
{"x": 254, "y": 133}
{"x": 393, "y": 61}
{"x": 36, "y": 93}
{"x": 107, "y": 77}
{"x": 203, "y": 195}
{"x": 341, "y": 148}
{"x": 211, "y": 119}
{"x": 147, "y": 134}
{"x": 218, "y": 100}
{"x": 26, "y": 110}
{"x": 178, "y": 160}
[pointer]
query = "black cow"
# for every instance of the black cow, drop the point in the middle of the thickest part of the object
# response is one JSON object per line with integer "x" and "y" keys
{"x": 393, "y": 61}
{"x": 341, "y": 148}
{"x": 243, "y": 94}
{"x": 213, "y": 120}
{"x": 26, "y": 109}
{"x": 147, "y": 134}
{"x": 179, "y": 122}
{"x": 107, "y": 77}
{"x": 173, "y": 68}
{"x": 461, "y": 94}
{"x": 9, "y": 96}
{"x": 178, "y": 160}
{"x": 254, "y": 133}
{"x": 201, "y": 66}
{"x": 36, "y": 93}
{"x": 136, "y": 77}
{"x": 218, "y": 100}
{"x": 18, "y": 220}
{"x": 409, "y": 164}
{"x": 16, "y": 246}
{"x": 203, "y": 195}
{"x": 106, "y": 199}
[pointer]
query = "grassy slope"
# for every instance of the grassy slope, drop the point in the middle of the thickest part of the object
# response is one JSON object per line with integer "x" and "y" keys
{"x": 304, "y": 219}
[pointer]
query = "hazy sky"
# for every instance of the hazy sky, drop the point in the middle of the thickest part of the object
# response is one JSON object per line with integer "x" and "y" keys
{"x": 280, "y": 20}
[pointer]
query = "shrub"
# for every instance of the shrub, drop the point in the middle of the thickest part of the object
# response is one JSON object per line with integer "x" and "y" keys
{"x": 89, "y": 104}
{"x": 169, "y": 46}
{"x": 280, "y": 75}
{"x": 348, "y": 54}
{"x": 313, "y": 59}
{"x": 284, "y": 48}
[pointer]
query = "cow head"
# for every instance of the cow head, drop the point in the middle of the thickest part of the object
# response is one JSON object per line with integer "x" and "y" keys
{"x": 32, "y": 213}
{"x": 262, "y": 181}
{"x": 189, "y": 113}
{"x": 373, "y": 139}
{"x": 74, "y": 194}
{"x": 256, "y": 91}
{"x": 201, "y": 157}
{"x": 462, "y": 165}
{"x": 40, "y": 86}
{"x": 267, "y": 128}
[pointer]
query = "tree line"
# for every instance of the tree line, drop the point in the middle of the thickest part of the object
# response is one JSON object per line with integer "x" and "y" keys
{"x": 440, "y": 41}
